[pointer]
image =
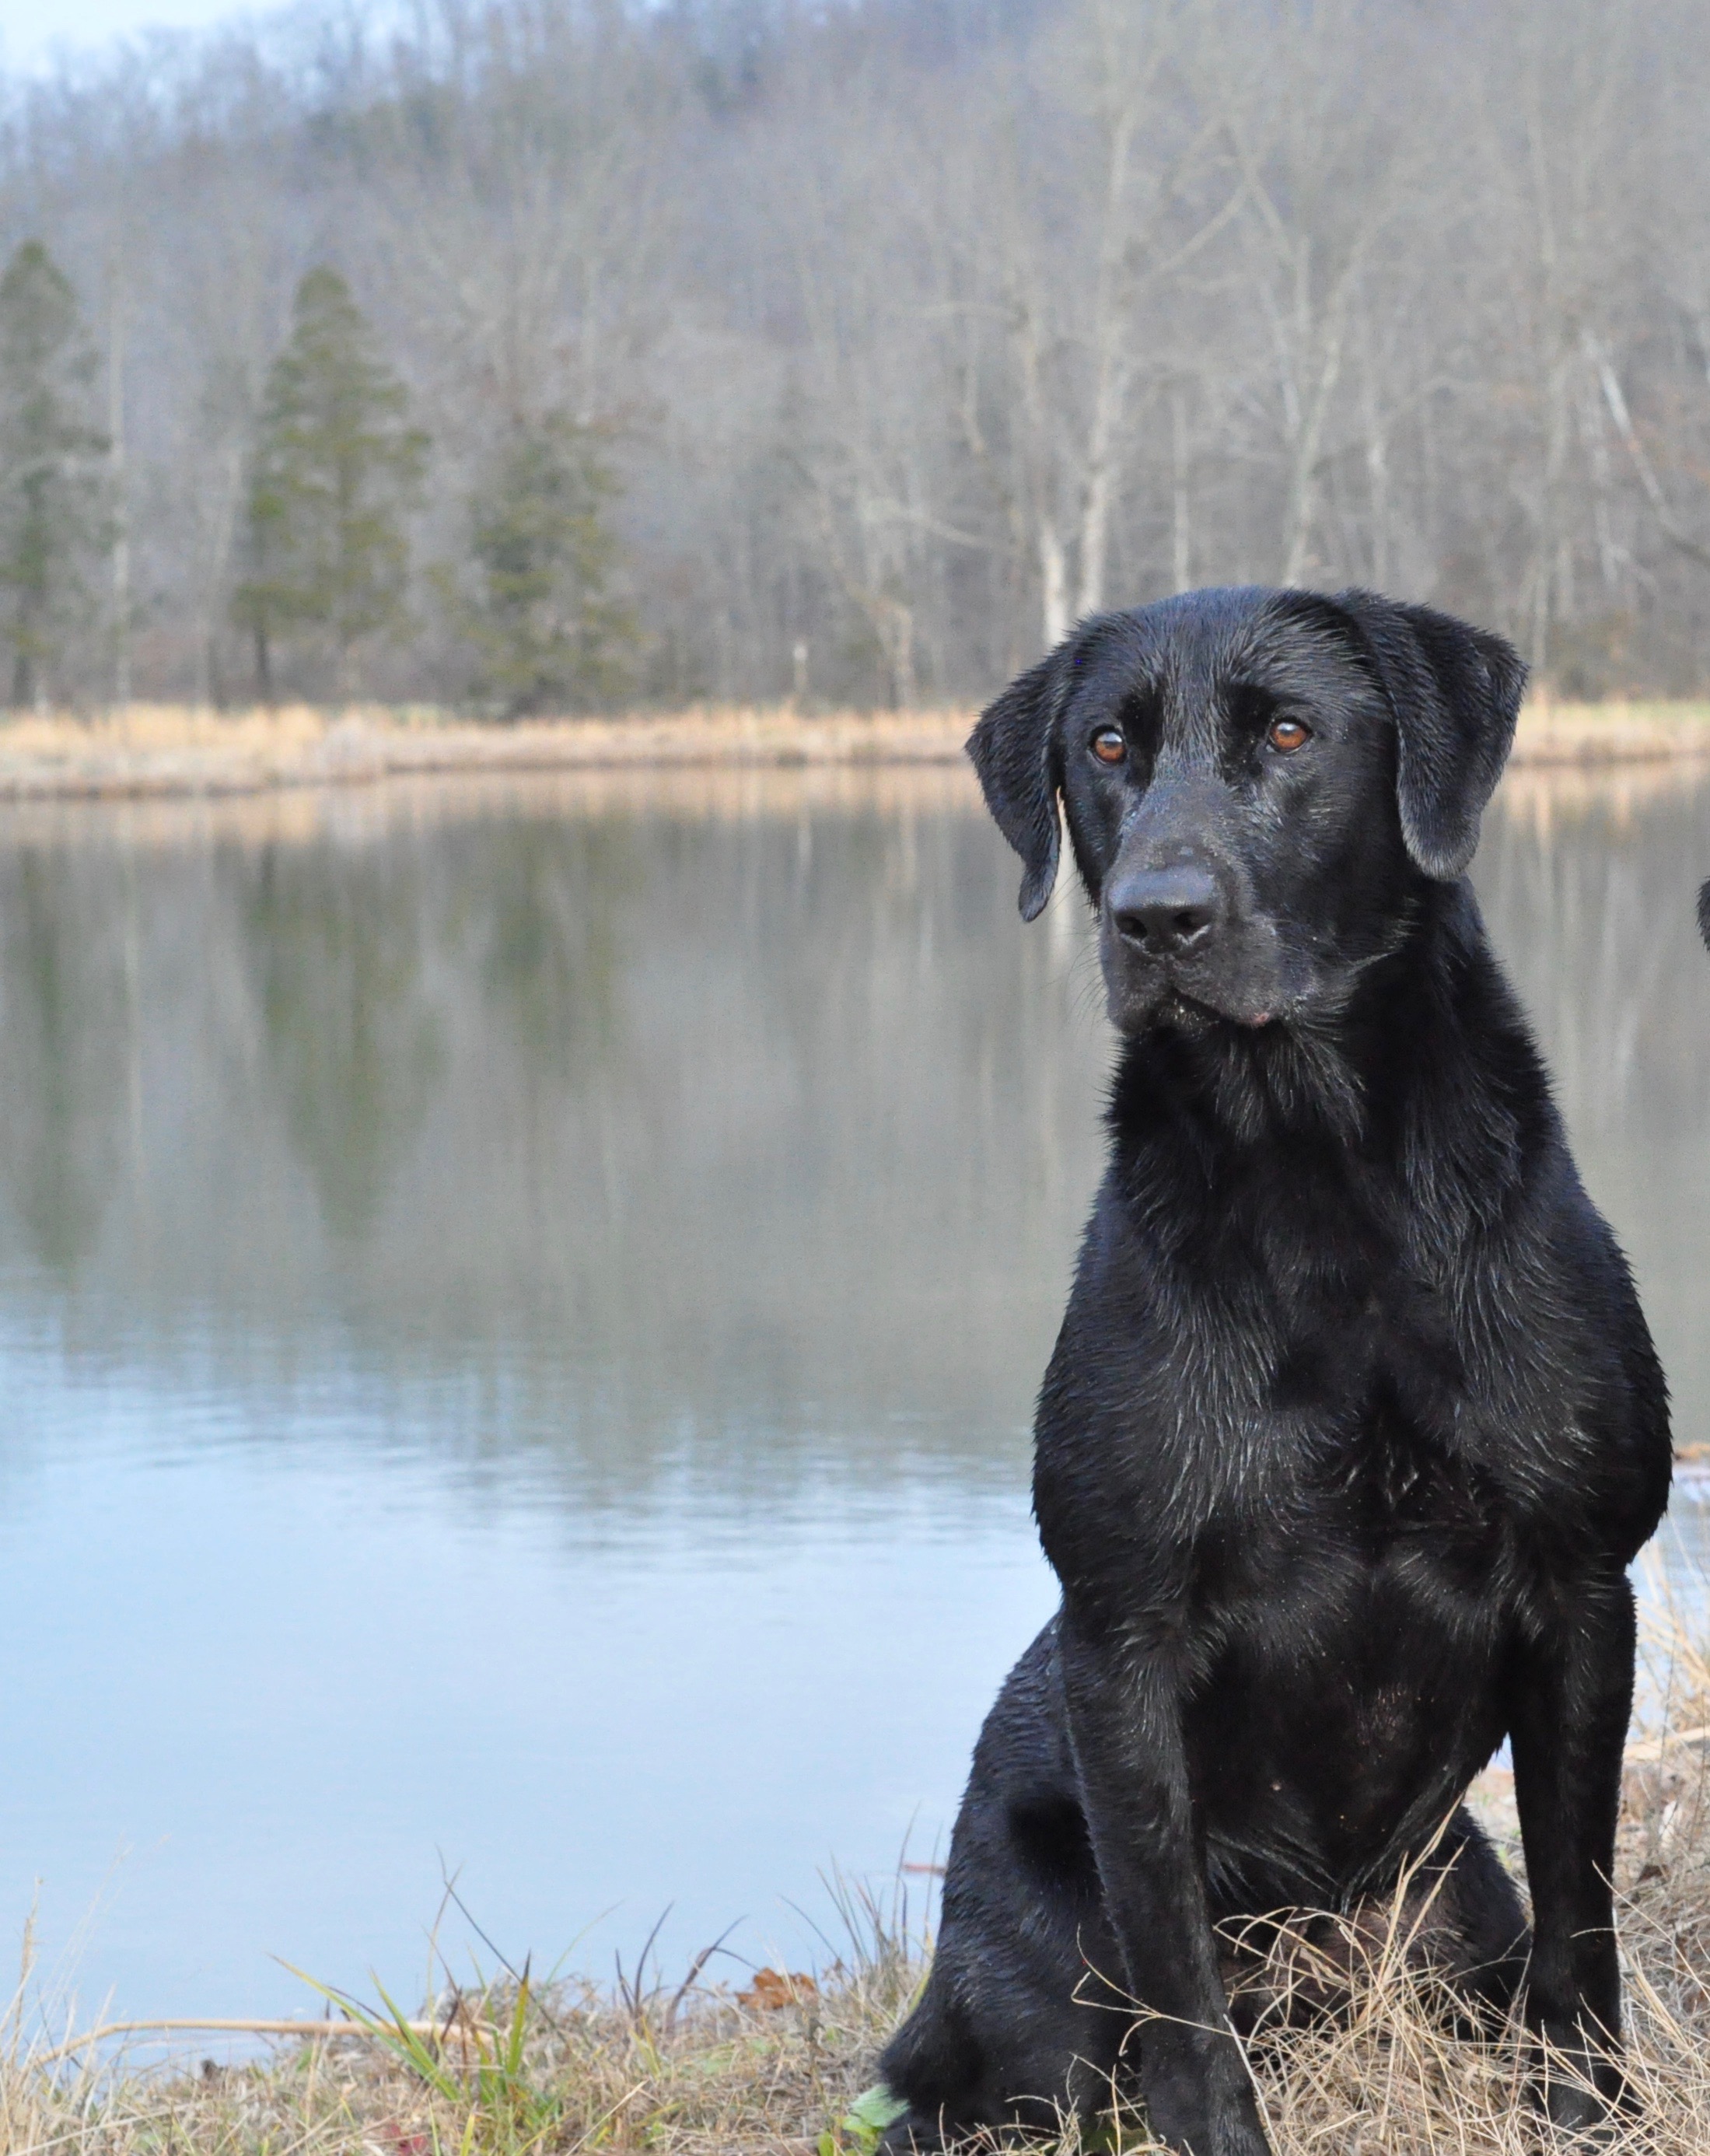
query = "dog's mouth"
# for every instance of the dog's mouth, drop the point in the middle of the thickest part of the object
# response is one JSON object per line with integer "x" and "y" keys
{"x": 1172, "y": 1008}
{"x": 1245, "y": 984}
{"x": 1189, "y": 1013}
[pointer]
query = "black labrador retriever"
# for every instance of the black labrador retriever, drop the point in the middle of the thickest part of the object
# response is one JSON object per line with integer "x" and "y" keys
{"x": 1354, "y": 1424}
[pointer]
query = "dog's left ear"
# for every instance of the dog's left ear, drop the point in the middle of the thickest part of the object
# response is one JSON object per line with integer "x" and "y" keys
{"x": 1704, "y": 913}
{"x": 1455, "y": 692}
{"x": 1016, "y": 752}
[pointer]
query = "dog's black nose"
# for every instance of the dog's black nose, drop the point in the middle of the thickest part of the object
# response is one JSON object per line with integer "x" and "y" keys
{"x": 1168, "y": 912}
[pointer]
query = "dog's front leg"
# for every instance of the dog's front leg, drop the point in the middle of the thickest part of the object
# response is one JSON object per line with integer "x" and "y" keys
{"x": 1569, "y": 1726}
{"x": 1125, "y": 1725}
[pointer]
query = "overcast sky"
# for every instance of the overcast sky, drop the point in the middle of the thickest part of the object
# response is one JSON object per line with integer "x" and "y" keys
{"x": 29, "y": 29}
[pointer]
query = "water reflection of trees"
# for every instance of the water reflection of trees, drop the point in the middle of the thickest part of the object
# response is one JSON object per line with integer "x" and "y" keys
{"x": 337, "y": 945}
{"x": 685, "y": 1155}
{"x": 1593, "y": 912}
{"x": 541, "y": 913}
{"x": 65, "y": 1028}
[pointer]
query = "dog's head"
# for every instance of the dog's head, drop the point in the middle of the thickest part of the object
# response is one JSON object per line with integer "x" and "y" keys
{"x": 1258, "y": 785}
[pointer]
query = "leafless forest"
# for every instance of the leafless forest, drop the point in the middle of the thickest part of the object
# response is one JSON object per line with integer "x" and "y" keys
{"x": 913, "y": 329}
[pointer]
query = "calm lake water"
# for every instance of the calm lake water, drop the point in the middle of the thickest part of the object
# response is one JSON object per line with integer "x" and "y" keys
{"x": 520, "y": 1308}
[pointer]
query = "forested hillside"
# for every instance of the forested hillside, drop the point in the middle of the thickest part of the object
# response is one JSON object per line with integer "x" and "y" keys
{"x": 555, "y": 353}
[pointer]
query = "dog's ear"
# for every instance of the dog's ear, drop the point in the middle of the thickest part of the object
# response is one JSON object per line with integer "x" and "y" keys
{"x": 1455, "y": 692}
{"x": 1704, "y": 912}
{"x": 1016, "y": 752}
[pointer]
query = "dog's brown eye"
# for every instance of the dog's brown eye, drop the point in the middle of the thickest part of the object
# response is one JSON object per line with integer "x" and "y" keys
{"x": 1288, "y": 734}
{"x": 1109, "y": 745}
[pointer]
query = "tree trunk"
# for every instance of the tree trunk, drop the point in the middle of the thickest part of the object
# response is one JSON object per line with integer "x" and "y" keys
{"x": 1303, "y": 463}
{"x": 1377, "y": 460}
{"x": 1181, "y": 505}
{"x": 896, "y": 626}
{"x": 1053, "y": 585}
{"x": 122, "y": 511}
{"x": 1095, "y": 537}
{"x": 1111, "y": 332}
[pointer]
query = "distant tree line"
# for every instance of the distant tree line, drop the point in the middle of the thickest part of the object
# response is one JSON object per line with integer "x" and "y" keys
{"x": 321, "y": 559}
{"x": 543, "y": 354}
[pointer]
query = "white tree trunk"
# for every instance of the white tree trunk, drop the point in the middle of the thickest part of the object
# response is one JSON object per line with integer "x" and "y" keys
{"x": 1053, "y": 585}
{"x": 1307, "y": 446}
{"x": 1095, "y": 539}
{"x": 1182, "y": 540}
{"x": 116, "y": 481}
{"x": 896, "y": 626}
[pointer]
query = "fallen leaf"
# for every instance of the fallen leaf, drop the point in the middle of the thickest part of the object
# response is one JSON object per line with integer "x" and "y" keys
{"x": 393, "y": 2139}
{"x": 775, "y": 1987}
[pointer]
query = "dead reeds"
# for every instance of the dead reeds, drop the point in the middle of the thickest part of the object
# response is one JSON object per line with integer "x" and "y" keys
{"x": 146, "y": 751}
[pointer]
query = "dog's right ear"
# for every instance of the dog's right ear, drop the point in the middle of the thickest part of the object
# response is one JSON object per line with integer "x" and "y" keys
{"x": 1016, "y": 752}
{"x": 1454, "y": 693}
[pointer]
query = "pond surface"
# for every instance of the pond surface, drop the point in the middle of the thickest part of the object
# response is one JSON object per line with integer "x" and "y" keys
{"x": 520, "y": 1306}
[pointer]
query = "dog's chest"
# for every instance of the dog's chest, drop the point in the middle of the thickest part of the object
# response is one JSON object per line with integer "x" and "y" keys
{"x": 1376, "y": 1389}
{"x": 1371, "y": 1493}
{"x": 1386, "y": 1531}
{"x": 1390, "y": 1481}
{"x": 1345, "y": 1639}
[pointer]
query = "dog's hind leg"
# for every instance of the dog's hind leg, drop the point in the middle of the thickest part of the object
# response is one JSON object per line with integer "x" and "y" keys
{"x": 1016, "y": 2024}
{"x": 1460, "y": 1929}
{"x": 1479, "y": 1940}
{"x": 1464, "y": 1928}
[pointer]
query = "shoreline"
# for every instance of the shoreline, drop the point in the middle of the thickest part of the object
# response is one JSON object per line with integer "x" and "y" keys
{"x": 150, "y": 751}
{"x": 784, "y": 2062}
{"x": 157, "y": 751}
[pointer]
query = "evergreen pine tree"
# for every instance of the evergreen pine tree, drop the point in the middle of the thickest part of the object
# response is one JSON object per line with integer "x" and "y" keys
{"x": 50, "y": 473}
{"x": 336, "y": 469}
{"x": 546, "y": 633}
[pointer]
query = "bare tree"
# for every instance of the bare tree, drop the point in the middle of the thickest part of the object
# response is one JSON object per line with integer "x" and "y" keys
{"x": 917, "y": 328}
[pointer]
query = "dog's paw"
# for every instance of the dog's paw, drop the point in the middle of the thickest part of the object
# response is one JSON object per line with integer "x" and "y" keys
{"x": 910, "y": 2135}
{"x": 1585, "y": 2097}
{"x": 1202, "y": 2123}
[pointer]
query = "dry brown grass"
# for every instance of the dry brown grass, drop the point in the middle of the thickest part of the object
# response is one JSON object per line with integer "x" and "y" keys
{"x": 668, "y": 2067}
{"x": 144, "y": 749}
{"x": 693, "y": 2070}
{"x": 1624, "y": 731}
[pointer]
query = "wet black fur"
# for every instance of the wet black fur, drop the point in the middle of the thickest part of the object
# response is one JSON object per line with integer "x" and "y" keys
{"x": 1354, "y": 1424}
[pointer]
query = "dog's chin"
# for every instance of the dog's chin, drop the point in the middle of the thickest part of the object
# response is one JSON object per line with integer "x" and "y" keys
{"x": 1138, "y": 1009}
